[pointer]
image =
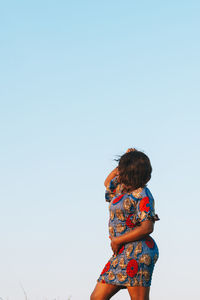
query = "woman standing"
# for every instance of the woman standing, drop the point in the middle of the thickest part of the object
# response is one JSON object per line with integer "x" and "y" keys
{"x": 131, "y": 222}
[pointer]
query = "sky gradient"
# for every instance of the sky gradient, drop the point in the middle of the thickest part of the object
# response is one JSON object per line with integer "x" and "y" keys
{"x": 80, "y": 82}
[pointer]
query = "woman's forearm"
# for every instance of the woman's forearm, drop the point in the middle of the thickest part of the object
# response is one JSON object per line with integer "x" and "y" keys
{"x": 137, "y": 233}
{"x": 111, "y": 176}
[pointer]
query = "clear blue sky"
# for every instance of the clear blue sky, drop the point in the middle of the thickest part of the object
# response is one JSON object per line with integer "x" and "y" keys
{"x": 80, "y": 82}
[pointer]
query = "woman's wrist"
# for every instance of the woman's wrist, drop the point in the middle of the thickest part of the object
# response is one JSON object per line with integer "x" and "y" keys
{"x": 124, "y": 238}
{"x": 118, "y": 240}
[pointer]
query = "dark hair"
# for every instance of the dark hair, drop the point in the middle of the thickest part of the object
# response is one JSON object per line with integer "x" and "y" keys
{"x": 134, "y": 170}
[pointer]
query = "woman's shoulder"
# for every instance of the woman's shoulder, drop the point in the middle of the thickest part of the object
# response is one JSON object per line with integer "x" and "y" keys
{"x": 141, "y": 193}
{"x": 147, "y": 193}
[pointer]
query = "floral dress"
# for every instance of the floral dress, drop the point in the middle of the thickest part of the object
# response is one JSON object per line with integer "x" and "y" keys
{"x": 134, "y": 263}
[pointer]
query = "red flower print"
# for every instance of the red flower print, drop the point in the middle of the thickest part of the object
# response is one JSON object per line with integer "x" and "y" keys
{"x": 132, "y": 268}
{"x": 143, "y": 204}
{"x": 129, "y": 223}
{"x": 121, "y": 250}
{"x": 114, "y": 191}
{"x": 149, "y": 242}
{"x": 103, "y": 281}
{"x": 117, "y": 199}
{"x": 106, "y": 268}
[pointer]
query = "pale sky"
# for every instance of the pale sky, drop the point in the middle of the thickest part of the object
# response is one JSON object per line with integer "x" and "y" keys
{"x": 80, "y": 82}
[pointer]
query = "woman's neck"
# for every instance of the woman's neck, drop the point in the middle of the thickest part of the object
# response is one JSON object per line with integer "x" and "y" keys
{"x": 129, "y": 191}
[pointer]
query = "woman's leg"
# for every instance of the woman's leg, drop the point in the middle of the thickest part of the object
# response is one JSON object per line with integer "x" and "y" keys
{"x": 104, "y": 291}
{"x": 138, "y": 292}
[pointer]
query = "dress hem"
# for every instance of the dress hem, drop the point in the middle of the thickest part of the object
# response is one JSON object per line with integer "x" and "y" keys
{"x": 104, "y": 281}
{"x": 121, "y": 285}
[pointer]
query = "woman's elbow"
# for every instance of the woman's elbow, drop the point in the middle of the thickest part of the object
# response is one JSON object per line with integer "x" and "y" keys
{"x": 148, "y": 227}
{"x": 150, "y": 230}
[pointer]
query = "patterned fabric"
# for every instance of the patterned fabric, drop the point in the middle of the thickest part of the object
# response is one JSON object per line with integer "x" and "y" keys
{"x": 135, "y": 261}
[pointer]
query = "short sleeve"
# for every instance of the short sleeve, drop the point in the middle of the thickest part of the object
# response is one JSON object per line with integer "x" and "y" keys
{"x": 146, "y": 208}
{"x": 111, "y": 189}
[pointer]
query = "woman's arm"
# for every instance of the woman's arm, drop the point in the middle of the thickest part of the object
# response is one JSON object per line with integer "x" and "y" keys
{"x": 145, "y": 228}
{"x": 111, "y": 176}
{"x": 115, "y": 171}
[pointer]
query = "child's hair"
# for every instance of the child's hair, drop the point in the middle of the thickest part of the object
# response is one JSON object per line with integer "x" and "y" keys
{"x": 134, "y": 170}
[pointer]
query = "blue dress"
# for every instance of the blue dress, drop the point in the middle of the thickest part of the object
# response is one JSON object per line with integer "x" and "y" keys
{"x": 135, "y": 261}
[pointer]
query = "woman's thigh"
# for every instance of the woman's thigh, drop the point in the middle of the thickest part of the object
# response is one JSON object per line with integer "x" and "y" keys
{"x": 138, "y": 292}
{"x": 104, "y": 291}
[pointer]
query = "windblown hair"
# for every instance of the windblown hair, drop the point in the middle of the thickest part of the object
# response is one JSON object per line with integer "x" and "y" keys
{"x": 134, "y": 170}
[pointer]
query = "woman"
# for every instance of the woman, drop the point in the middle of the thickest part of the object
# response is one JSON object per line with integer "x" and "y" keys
{"x": 131, "y": 222}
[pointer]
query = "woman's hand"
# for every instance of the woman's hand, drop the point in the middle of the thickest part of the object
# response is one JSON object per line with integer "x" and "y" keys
{"x": 130, "y": 150}
{"x": 115, "y": 245}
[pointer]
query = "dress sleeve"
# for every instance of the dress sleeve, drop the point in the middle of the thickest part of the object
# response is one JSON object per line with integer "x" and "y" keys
{"x": 111, "y": 189}
{"x": 146, "y": 209}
